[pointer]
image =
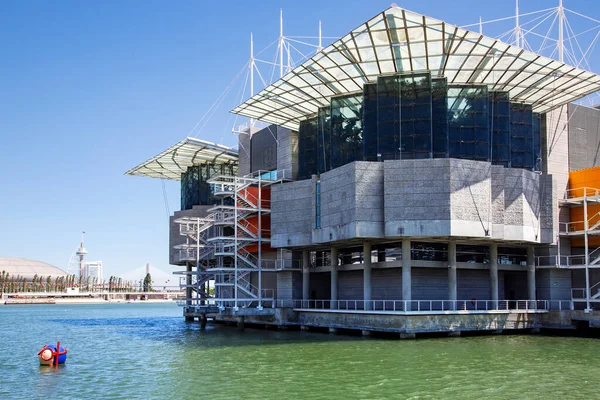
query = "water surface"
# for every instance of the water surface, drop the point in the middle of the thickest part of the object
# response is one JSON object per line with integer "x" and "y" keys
{"x": 147, "y": 351}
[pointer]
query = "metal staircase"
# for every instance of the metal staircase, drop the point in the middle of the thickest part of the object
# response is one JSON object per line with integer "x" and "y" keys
{"x": 239, "y": 239}
{"x": 590, "y": 226}
{"x": 198, "y": 254}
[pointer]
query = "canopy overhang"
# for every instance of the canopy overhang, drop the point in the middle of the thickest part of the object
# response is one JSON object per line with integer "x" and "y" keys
{"x": 398, "y": 40}
{"x": 176, "y": 159}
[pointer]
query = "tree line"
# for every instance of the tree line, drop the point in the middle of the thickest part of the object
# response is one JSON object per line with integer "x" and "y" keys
{"x": 11, "y": 283}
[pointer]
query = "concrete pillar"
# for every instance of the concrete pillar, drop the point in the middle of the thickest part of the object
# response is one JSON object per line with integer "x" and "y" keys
{"x": 305, "y": 275}
{"x": 334, "y": 277}
{"x": 188, "y": 283}
{"x": 203, "y": 320}
{"x": 531, "y": 272}
{"x": 240, "y": 323}
{"x": 452, "y": 281}
{"x": 406, "y": 273}
{"x": 494, "y": 274}
{"x": 367, "y": 275}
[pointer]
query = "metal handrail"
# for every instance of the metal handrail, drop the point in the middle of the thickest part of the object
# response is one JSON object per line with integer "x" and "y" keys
{"x": 587, "y": 192}
{"x": 417, "y": 305}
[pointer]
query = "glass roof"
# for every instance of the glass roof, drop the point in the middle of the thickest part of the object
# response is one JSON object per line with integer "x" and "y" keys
{"x": 398, "y": 40}
{"x": 172, "y": 162}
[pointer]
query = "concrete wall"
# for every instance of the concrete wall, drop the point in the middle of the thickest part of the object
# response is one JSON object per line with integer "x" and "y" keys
{"x": 421, "y": 323}
{"x": 289, "y": 285}
{"x": 553, "y": 284}
{"x": 416, "y": 198}
{"x": 244, "y": 167}
{"x": 292, "y": 213}
{"x": 584, "y": 137}
{"x": 555, "y": 155}
{"x": 351, "y": 203}
{"x": 263, "y": 153}
{"x": 287, "y": 152}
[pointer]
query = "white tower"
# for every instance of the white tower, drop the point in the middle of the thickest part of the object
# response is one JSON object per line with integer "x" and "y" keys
{"x": 81, "y": 253}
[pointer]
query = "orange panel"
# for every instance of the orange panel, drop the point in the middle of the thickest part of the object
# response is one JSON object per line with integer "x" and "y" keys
{"x": 584, "y": 178}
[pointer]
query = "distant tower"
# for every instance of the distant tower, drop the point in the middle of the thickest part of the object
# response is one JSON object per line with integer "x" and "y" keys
{"x": 81, "y": 253}
{"x": 147, "y": 268}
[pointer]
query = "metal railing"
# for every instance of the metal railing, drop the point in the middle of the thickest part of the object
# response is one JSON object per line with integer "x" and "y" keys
{"x": 581, "y": 192}
{"x": 417, "y": 305}
{"x": 567, "y": 261}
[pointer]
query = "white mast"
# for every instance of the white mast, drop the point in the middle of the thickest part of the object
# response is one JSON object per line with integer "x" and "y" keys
{"x": 517, "y": 27}
{"x": 280, "y": 42}
{"x": 251, "y": 66}
{"x": 480, "y": 26}
{"x": 320, "y": 47}
{"x": 561, "y": 44}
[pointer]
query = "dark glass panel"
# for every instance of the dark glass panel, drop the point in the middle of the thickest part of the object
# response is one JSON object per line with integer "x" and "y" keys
{"x": 537, "y": 141}
{"x": 346, "y": 130}
{"x": 415, "y": 116}
{"x": 468, "y": 121}
{"x": 521, "y": 136}
{"x": 307, "y": 148}
{"x": 388, "y": 117}
{"x": 500, "y": 127}
{"x": 324, "y": 140}
{"x": 370, "y": 122}
{"x": 439, "y": 90}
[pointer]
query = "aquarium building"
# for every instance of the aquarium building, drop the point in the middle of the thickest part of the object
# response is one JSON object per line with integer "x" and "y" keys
{"x": 409, "y": 177}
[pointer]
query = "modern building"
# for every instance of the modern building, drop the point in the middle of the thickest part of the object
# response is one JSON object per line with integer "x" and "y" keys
{"x": 93, "y": 270}
{"x": 412, "y": 176}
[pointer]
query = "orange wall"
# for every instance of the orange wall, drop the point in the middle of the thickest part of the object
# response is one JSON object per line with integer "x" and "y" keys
{"x": 589, "y": 178}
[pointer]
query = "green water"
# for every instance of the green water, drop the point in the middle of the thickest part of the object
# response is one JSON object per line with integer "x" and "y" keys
{"x": 147, "y": 351}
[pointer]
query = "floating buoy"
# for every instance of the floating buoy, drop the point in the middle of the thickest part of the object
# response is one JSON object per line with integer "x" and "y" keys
{"x": 52, "y": 355}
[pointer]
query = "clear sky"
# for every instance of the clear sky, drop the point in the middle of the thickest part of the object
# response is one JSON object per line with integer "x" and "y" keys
{"x": 89, "y": 89}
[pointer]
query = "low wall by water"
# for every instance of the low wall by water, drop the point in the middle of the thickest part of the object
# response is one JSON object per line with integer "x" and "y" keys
{"x": 397, "y": 322}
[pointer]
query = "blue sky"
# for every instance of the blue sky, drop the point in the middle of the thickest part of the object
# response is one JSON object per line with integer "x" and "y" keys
{"x": 91, "y": 89}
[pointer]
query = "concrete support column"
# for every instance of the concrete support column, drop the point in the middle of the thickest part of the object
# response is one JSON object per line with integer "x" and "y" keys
{"x": 334, "y": 277}
{"x": 406, "y": 274}
{"x": 531, "y": 272}
{"x": 305, "y": 275}
{"x": 494, "y": 274}
{"x": 452, "y": 281}
{"x": 367, "y": 275}
{"x": 188, "y": 282}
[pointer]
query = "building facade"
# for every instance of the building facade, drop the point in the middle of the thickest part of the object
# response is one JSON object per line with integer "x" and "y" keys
{"x": 410, "y": 167}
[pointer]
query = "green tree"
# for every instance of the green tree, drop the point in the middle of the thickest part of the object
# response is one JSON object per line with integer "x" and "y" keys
{"x": 147, "y": 283}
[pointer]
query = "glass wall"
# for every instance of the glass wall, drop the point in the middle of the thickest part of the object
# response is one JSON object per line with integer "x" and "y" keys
{"x": 521, "y": 136}
{"x": 416, "y": 139}
{"x": 324, "y": 140}
{"x": 346, "y": 130}
{"x": 370, "y": 122}
{"x": 195, "y": 190}
{"x": 500, "y": 128}
{"x": 439, "y": 108}
{"x": 537, "y": 141}
{"x": 409, "y": 116}
{"x": 388, "y": 117}
{"x": 307, "y": 148}
{"x": 468, "y": 132}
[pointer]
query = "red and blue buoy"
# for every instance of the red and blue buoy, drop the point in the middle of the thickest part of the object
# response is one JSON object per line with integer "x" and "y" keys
{"x": 52, "y": 355}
